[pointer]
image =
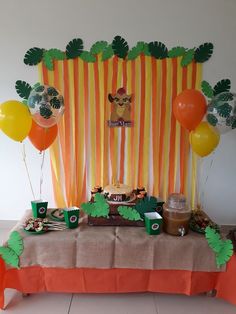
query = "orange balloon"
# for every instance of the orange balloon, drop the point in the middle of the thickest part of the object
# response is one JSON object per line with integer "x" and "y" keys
{"x": 41, "y": 137}
{"x": 189, "y": 108}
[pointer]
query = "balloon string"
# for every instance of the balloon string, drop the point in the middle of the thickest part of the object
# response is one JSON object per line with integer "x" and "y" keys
{"x": 41, "y": 175}
{"x": 27, "y": 170}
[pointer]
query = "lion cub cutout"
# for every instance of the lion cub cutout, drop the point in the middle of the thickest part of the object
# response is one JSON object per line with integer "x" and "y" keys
{"x": 121, "y": 108}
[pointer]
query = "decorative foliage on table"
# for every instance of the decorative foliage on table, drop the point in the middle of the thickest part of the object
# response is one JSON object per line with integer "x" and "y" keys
{"x": 146, "y": 205}
{"x": 222, "y": 248}
{"x": 100, "y": 207}
{"x": 10, "y": 253}
{"x": 129, "y": 213}
{"x": 118, "y": 47}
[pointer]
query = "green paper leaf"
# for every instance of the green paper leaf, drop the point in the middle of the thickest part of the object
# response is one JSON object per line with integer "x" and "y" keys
{"x": 146, "y": 205}
{"x": 36, "y": 85}
{"x": 23, "y": 89}
{"x": 203, "y": 52}
{"x": 101, "y": 206}
{"x": 9, "y": 256}
{"x": 129, "y": 213}
{"x": 120, "y": 47}
{"x": 33, "y": 56}
{"x": 212, "y": 119}
{"x": 45, "y": 112}
{"x": 213, "y": 239}
{"x": 87, "y": 56}
{"x": 74, "y": 48}
{"x": 56, "y": 54}
{"x": 48, "y": 60}
{"x": 107, "y": 53}
{"x": 99, "y": 47}
{"x": 52, "y": 91}
{"x": 15, "y": 243}
{"x": 187, "y": 57}
{"x": 133, "y": 53}
{"x": 207, "y": 89}
{"x": 88, "y": 208}
{"x": 227, "y": 96}
{"x": 158, "y": 50}
{"x": 176, "y": 52}
{"x": 143, "y": 47}
{"x": 225, "y": 253}
{"x": 224, "y": 110}
{"x": 222, "y": 86}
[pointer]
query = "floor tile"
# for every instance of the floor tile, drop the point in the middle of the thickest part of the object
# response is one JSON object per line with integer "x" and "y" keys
{"x": 46, "y": 303}
{"x": 181, "y": 304}
{"x": 138, "y": 303}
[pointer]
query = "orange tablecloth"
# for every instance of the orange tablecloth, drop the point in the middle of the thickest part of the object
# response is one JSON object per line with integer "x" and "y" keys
{"x": 88, "y": 280}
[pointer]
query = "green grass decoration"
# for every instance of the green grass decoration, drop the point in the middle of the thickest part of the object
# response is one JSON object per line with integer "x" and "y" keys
{"x": 100, "y": 207}
{"x": 10, "y": 253}
{"x": 146, "y": 205}
{"x": 99, "y": 47}
{"x": 134, "y": 53}
{"x": 56, "y": 54}
{"x": 203, "y": 52}
{"x": 120, "y": 47}
{"x": 158, "y": 50}
{"x": 187, "y": 57}
{"x": 107, "y": 53}
{"x": 212, "y": 119}
{"x": 176, "y": 52}
{"x": 207, "y": 89}
{"x": 48, "y": 60}
{"x": 222, "y": 248}
{"x": 143, "y": 47}
{"x": 74, "y": 48}
{"x": 87, "y": 56}
{"x": 23, "y": 89}
{"x": 224, "y": 110}
{"x": 33, "y": 56}
{"x": 129, "y": 213}
{"x": 222, "y": 86}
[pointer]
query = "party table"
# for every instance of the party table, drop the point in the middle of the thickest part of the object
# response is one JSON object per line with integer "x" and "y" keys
{"x": 116, "y": 260}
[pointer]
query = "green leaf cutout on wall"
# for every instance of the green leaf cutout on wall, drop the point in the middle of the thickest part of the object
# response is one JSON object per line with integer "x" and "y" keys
{"x": 212, "y": 119}
{"x": 107, "y": 53}
{"x": 9, "y": 256}
{"x": 74, "y": 48}
{"x": 56, "y": 54}
{"x": 146, "y": 205}
{"x": 120, "y": 47}
{"x": 15, "y": 243}
{"x": 222, "y": 86}
{"x": 207, "y": 89}
{"x": 187, "y": 57}
{"x": 129, "y": 213}
{"x": 203, "y": 52}
{"x": 48, "y": 60}
{"x": 158, "y": 50}
{"x": 176, "y": 52}
{"x": 87, "y": 56}
{"x": 33, "y": 56}
{"x": 23, "y": 89}
{"x": 98, "y": 47}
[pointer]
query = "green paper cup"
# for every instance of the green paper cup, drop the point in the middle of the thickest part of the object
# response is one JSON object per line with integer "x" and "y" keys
{"x": 71, "y": 215}
{"x": 153, "y": 223}
{"x": 39, "y": 208}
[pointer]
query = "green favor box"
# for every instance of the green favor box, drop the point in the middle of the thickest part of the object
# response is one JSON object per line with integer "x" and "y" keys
{"x": 39, "y": 208}
{"x": 153, "y": 222}
{"x": 71, "y": 215}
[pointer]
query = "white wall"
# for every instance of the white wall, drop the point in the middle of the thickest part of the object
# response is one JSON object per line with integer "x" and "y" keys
{"x": 50, "y": 23}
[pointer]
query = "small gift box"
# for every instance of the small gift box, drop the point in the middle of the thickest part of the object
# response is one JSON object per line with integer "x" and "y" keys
{"x": 71, "y": 216}
{"x": 153, "y": 223}
{"x": 39, "y": 208}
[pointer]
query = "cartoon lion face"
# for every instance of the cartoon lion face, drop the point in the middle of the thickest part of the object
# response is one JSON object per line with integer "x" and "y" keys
{"x": 122, "y": 105}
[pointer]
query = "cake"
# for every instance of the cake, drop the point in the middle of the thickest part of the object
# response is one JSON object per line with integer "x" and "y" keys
{"x": 118, "y": 192}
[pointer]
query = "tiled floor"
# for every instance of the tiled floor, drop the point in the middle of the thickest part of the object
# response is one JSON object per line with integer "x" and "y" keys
{"x": 137, "y": 303}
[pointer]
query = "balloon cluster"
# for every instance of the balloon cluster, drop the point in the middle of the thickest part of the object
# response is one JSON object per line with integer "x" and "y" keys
{"x": 189, "y": 108}
{"x": 37, "y": 120}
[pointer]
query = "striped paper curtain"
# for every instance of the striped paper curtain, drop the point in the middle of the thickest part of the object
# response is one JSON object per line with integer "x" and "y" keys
{"x": 154, "y": 153}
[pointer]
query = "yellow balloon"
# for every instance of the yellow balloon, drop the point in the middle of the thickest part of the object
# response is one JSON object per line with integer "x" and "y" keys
{"x": 204, "y": 139}
{"x": 15, "y": 120}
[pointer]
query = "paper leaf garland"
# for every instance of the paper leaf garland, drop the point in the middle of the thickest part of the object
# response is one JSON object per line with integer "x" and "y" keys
{"x": 15, "y": 243}
{"x": 120, "y": 47}
{"x": 56, "y": 54}
{"x": 74, "y": 48}
{"x": 98, "y": 47}
{"x": 158, "y": 50}
{"x": 33, "y": 56}
{"x": 129, "y": 213}
{"x": 48, "y": 60}
{"x": 146, "y": 205}
{"x": 187, "y": 57}
{"x": 87, "y": 56}
{"x": 176, "y": 52}
{"x": 207, "y": 89}
{"x": 23, "y": 89}
{"x": 9, "y": 256}
{"x": 222, "y": 86}
{"x": 203, "y": 52}
{"x": 143, "y": 47}
{"x": 107, "y": 53}
{"x": 133, "y": 53}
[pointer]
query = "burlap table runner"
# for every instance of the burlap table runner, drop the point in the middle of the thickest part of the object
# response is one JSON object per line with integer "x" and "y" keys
{"x": 116, "y": 247}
